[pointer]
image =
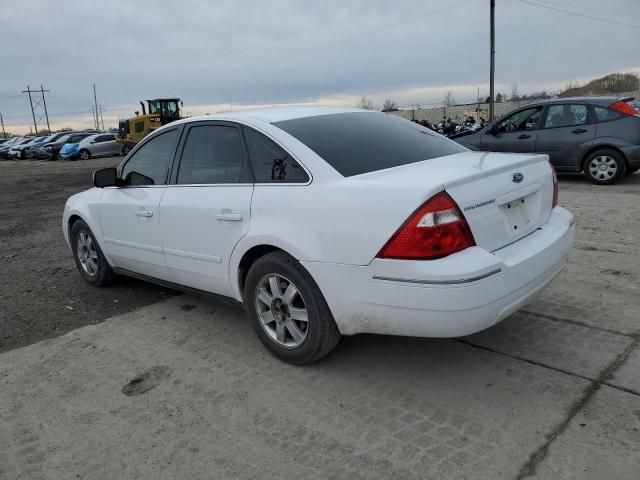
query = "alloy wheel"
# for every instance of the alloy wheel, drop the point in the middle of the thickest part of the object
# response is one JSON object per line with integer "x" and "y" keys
{"x": 603, "y": 167}
{"x": 87, "y": 253}
{"x": 281, "y": 310}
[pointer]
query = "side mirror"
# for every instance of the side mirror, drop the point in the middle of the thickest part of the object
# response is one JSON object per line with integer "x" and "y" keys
{"x": 105, "y": 177}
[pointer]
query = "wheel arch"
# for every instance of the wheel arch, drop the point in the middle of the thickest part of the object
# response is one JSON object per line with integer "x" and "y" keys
{"x": 249, "y": 257}
{"x": 595, "y": 148}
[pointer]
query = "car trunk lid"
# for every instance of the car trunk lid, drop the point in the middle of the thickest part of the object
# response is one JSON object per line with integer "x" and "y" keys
{"x": 503, "y": 197}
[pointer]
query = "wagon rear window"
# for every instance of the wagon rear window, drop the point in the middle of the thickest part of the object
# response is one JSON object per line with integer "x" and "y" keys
{"x": 362, "y": 142}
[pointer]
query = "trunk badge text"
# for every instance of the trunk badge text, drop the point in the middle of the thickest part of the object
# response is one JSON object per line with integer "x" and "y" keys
{"x": 517, "y": 177}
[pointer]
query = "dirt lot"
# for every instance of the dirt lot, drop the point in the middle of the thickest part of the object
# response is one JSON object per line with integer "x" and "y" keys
{"x": 553, "y": 392}
{"x": 40, "y": 295}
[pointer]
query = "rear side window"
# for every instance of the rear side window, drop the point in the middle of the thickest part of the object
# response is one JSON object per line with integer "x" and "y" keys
{"x": 271, "y": 164}
{"x": 566, "y": 116}
{"x": 360, "y": 142}
{"x": 605, "y": 114}
{"x": 212, "y": 154}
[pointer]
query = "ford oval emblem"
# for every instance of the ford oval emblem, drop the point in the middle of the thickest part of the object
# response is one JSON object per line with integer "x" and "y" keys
{"x": 517, "y": 177}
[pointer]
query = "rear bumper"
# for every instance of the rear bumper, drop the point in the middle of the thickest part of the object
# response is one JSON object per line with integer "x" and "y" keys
{"x": 632, "y": 154}
{"x": 454, "y": 296}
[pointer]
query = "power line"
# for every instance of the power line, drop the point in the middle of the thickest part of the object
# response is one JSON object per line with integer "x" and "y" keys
{"x": 364, "y": 34}
{"x": 386, "y": 27}
{"x": 613, "y": 22}
{"x": 583, "y": 7}
{"x": 306, "y": 30}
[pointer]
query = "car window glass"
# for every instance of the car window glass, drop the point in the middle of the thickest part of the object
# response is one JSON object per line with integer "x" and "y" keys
{"x": 149, "y": 164}
{"x": 520, "y": 121}
{"x": 605, "y": 114}
{"x": 360, "y": 142}
{"x": 566, "y": 116}
{"x": 271, "y": 164}
{"x": 212, "y": 154}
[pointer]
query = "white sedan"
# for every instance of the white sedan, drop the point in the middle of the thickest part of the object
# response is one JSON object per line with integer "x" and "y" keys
{"x": 326, "y": 222}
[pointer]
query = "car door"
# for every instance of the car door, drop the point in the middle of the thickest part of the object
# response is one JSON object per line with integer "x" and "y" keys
{"x": 129, "y": 214}
{"x": 567, "y": 131}
{"x": 206, "y": 208}
{"x": 111, "y": 147}
{"x": 515, "y": 133}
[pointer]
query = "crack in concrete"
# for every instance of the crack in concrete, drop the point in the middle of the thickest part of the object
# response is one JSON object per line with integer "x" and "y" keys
{"x": 578, "y": 323}
{"x": 530, "y": 467}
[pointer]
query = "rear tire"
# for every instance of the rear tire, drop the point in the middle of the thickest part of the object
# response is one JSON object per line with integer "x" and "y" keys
{"x": 90, "y": 261}
{"x": 84, "y": 155}
{"x": 605, "y": 166}
{"x": 288, "y": 311}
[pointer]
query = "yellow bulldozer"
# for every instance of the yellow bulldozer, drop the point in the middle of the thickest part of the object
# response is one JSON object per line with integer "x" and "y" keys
{"x": 160, "y": 112}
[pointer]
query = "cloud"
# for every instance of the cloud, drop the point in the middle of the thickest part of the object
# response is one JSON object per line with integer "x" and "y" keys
{"x": 287, "y": 51}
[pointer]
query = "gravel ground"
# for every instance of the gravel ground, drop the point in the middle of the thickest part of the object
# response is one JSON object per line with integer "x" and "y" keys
{"x": 41, "y": 295}
{"x": 181, "y": 388}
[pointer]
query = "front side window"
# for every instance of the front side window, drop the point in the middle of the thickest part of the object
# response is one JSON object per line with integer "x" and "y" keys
{"x": 271, "y": 164}
{"x": 360, "y": 142}
{"x": 566, "y": 116}
{"x": 212, "y": 154}
{"x": 521, "y": 121}
{"x": 150, "y": 163}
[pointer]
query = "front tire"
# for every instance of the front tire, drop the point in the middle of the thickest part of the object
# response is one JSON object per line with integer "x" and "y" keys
{"x": 604, "y": 167}
{"x": 90, "y": 261}
{"x": 84, "y": 155}
{"x": 125, "y": 150}
{"x": 288, "y": 311}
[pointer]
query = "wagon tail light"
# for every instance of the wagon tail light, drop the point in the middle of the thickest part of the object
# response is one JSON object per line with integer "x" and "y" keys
{"x": 435, "y": 230}
{"x": 623, "y": 107}
{"x": 554, "y": 202}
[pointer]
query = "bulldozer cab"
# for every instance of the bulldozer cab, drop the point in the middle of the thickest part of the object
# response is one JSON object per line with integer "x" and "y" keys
{"x": 168, "y": 109}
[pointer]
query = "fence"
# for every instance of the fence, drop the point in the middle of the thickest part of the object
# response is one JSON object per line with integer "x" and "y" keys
{"x": 458, "y": 112}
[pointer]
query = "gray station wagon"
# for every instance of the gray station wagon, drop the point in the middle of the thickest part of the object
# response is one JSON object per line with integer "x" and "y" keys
{"x": 597, "y": 135}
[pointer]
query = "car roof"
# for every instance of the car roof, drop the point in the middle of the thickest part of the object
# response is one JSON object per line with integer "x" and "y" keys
{"x": 274, "y": 114}
{"x": 604, "y": 101}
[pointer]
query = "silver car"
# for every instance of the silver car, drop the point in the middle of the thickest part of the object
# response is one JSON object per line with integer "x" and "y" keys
{"x": 99, "y": 145}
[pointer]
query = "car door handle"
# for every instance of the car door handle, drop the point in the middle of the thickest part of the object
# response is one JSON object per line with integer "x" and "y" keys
{"x": 228, "y": 216}
{"x": 579, "y": 130}
{"x": 523, "y": 136}
{"x": 144, "y": 213}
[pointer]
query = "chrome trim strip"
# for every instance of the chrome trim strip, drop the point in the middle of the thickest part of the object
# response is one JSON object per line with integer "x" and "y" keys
{"x": 455, "y": 281}
{"x": 192, "y": 255}
{"x": 138, "y": 246}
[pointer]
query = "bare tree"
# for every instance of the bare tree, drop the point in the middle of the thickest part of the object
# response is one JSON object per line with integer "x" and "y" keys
{"x": 389, "y": 106}
{"x": 514, "y": 92}
{"x": 366, "y": 104}
{"x": 449, "y": 99}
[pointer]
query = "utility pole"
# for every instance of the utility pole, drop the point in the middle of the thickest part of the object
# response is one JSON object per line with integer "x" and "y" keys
{"x": 95, "y": 101}
{"x": 28, "y": 90}
{"x": 493, "y": 55}
{"x": 4, "y": 134}
{"x": 44, "y": 103}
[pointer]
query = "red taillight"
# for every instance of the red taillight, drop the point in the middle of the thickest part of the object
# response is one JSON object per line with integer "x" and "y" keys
{"x": 554, "y": 201}
{"x": 435, "y": 230}
{"x": 623, "y": 107}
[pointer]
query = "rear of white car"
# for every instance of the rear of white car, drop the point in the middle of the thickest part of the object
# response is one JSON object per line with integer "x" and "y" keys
{"x": 476, "y": 235}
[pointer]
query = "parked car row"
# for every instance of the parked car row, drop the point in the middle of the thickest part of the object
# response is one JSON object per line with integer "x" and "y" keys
{"x": 62, "y": 146}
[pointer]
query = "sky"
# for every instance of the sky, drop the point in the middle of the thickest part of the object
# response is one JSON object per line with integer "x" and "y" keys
{"x": 222, "y": 54}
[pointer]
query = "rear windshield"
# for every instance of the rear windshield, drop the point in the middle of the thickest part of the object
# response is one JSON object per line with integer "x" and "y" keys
{"x": 362, "y": 142}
